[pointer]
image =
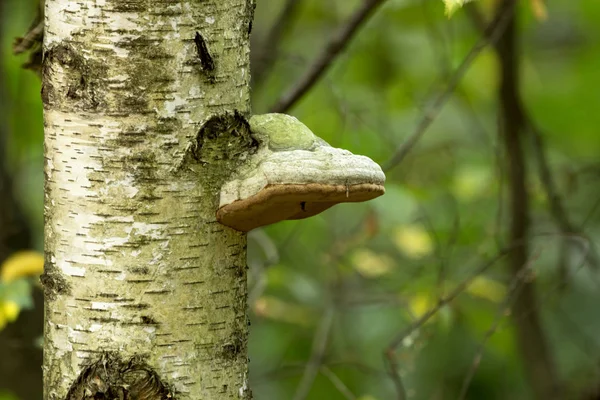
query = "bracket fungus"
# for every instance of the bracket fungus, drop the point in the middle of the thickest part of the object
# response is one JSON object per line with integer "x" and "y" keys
{"x": 293, "y": 174}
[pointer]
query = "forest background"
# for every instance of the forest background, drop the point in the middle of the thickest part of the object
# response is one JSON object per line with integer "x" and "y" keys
{"x": 411, "y": 292}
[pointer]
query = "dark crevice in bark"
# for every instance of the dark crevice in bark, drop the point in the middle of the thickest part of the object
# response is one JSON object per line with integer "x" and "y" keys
{"x": 229, "y": 131}
{"x": 111, "y": 378}
{"x": 206, "y": 60}
{"x": 531, "y": 338}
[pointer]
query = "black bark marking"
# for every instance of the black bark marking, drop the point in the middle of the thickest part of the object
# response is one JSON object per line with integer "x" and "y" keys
{"x": 239, "y": 271}
{"x": 111, "y": 378}
{"x": 149, "y": 320}
{"x": 206, "y": 60}
{"x": 129, "y": 6}
{"x": 137, "y": 306}
{"x": 140, "y": 270}
{"x": 230, "y": 351}
{"x": 251, "y": 17}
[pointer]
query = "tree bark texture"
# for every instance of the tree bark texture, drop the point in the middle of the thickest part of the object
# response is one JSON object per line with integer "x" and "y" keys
{"x": 144, "y": 108}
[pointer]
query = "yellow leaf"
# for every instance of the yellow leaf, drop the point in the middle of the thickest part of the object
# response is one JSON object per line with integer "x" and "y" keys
{"x": 413, "y": 241}
{"x": 274, "y": 308}
{"x": 470, "y": 182}
{"x": 539, "y": 10}
{"x": 487, "y": 289}
{"x": 370, "y": 264}
{"x": 453, "y": 5}
{"x": 420, "y": 304}
{"x": 22, "y": 263}
{"x": 10, "y": 309}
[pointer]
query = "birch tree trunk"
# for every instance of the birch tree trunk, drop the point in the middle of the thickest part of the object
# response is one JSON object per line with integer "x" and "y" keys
{"x": 145, "y": 116}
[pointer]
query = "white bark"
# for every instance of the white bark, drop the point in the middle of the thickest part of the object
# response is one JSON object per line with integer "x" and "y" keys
{"x": 137, "y": 269}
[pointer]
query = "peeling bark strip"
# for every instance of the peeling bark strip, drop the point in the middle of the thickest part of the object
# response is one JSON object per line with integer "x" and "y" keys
{"x": 137, "y": 268}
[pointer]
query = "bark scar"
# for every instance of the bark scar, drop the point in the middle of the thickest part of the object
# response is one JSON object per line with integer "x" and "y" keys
{"x": 206, "y": 60}
{"x": 112, "y": 378}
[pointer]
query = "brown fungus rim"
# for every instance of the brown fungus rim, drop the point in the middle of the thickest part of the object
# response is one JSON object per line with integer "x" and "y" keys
{"x": 279, "y": 202}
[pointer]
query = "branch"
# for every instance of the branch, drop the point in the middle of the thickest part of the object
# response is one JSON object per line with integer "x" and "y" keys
{"x": 316, "y": 359}
{"x": 490, "y": 36}
{"x": 523, "y": 275}
{"x": 338, "y": 383}
{"x": 270, "y": 47}
{"x": 557, "y": 210}
{"x": 389, "y": 354}
{"x": 32, "y": 42}
{"x": 338, "y": 42}
{"x": 531, "y": 337}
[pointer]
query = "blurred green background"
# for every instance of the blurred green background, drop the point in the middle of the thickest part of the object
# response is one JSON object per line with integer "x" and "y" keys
{"x": 329, "y": 294}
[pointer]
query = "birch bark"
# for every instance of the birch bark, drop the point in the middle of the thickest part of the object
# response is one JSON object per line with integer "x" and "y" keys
{"x": 145, "y": 291}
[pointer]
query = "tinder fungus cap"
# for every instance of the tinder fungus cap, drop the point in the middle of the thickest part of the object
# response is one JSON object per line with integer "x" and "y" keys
{"x": 294, "y": 175}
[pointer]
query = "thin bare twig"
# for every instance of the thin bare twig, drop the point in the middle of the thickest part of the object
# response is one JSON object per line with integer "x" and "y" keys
{"x": 290, "y": 370}
{"x": 449, "y": 298}
{"x": 32, "y": 42}
{"x": 557, "y": 210}
{"x": 333, "y": 48}
{"x": 548, "y": 292}
{"x": 490, "y": 36}
{"x": 501, "y": 179}
{"x": 318, "y": 352}
{"x": 337, "y": 382}
{"x": 33, "y": 37}
{"x": 257, "y": 272}
{"x": 442, "y": 251}
{"x": 586, "y": 344}
{"x": 270, "y": 47}
{"x": 389, "y": 354}
{"x": 591, "y": 213}
{"x": 514, "y": 286}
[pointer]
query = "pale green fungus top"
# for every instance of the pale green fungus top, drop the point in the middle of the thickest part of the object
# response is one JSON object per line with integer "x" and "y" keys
{"x": 283, "y": 132}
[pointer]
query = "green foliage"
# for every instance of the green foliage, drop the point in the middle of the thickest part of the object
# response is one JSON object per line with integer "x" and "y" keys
{"x": 453, "y": 5}
{"x": 21, "y": 115}
{"x": 371, "y": 260}
{"x": 7, "y": 396}
{"x": 14, "y": 296}
{"x": 383, "y": 264}
{"x": 18, "y": 292}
